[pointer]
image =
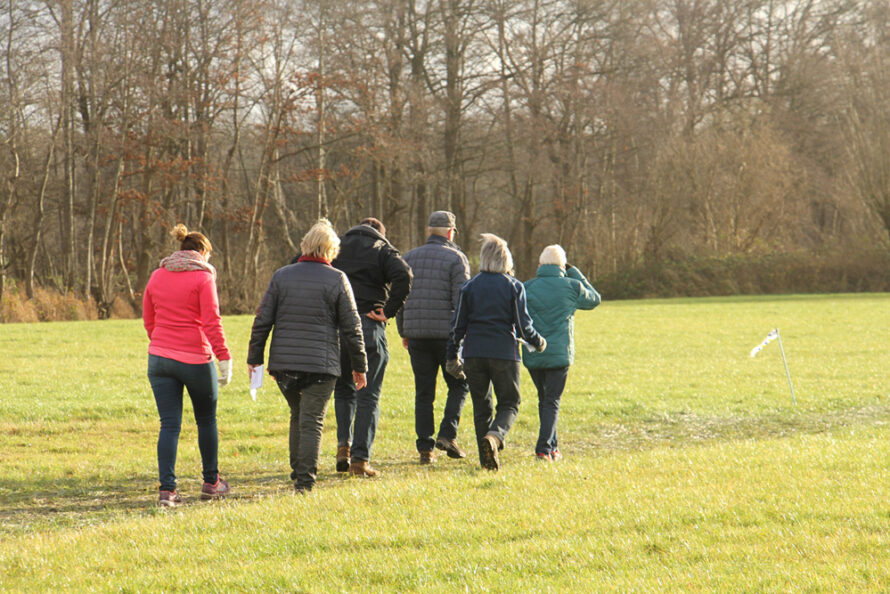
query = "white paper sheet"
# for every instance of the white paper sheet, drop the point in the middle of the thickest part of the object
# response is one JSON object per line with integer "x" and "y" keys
{"x": 256, "y": 380}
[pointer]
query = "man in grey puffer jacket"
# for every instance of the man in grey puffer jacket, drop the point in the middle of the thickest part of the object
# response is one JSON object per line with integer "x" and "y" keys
{"x": 424, "y": 323}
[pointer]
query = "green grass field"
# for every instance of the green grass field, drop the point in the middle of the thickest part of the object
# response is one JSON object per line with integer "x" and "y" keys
{"x": 687, "y": 468}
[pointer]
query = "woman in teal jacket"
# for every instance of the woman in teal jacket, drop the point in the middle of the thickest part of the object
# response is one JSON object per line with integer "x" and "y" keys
{"x": 553, "y": 296}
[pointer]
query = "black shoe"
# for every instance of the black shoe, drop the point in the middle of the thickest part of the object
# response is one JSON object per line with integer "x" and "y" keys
{"x": 488, "y": 453}
{"x": 450, "y": 448}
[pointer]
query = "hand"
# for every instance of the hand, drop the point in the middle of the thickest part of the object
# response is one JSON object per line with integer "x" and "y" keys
{"x": 405, "y": 342}
{"x": 225, "y": 372}
{"x": 543, "y": 346}
{"x": 359, "y": 379}
{"x": 455, "y": 367}
{"x": 376, "y": 315}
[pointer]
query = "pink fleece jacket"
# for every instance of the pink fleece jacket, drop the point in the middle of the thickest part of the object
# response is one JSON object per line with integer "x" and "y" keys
{"x": 180, "y": 311}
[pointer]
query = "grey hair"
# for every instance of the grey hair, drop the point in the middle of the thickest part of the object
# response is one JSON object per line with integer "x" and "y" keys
{"x": 495, "y": 255}
{"x": 553, "y": 254}
{"x": 443, "y": 231}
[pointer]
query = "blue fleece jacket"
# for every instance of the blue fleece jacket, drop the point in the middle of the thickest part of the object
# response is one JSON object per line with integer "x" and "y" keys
{"x": 490, "y": 317}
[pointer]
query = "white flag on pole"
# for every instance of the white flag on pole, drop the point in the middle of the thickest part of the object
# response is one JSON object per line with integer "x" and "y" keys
{"x": 773, "y": 334}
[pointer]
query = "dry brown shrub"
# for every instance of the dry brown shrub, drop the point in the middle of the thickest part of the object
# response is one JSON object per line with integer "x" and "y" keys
{"x": 15, "y": 308}
{"x": 122, "y": 309}
{"x": 54, "y": 306}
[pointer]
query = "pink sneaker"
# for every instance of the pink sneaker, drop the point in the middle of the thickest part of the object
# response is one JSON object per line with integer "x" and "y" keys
{"x": 555, "y": 455}
{"x": 169, "y": 499}
{"x": 216, "y": 491}
{"x": 542, "y": 457}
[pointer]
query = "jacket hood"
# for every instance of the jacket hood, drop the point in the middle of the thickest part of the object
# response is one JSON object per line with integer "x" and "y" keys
{"x": 367, "y": 230}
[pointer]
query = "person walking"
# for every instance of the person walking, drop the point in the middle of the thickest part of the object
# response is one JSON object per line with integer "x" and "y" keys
{"x": 381, "y": 281}
{"x": 180, "y": 312}
{"x": 311, "y": 307}
{"x": 440, "y": 269}
{"x": 489, "y": 319}
{"x": 553, "y": 296}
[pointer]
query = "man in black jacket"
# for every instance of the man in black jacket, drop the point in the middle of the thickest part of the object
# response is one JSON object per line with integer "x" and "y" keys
{"x": 381, "y": 281}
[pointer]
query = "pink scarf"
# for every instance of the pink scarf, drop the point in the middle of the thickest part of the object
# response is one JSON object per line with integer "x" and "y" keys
{"x": 184, "y": 260}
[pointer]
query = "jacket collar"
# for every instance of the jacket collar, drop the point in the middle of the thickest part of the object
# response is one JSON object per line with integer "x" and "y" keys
{"x": 438, "y": 239}
{"x": 550, "y": 270}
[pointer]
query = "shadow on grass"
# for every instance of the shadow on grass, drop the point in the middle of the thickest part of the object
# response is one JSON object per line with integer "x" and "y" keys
{"x": 29, "y": 503}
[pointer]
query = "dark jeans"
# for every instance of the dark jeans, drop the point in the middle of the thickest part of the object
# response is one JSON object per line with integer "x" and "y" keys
{"x": 427, "y": 358}
{"x": 307, "y": 395}
{"x": 167, "y": 378}
{"x": 363, "y": 406}
{"x": 550, "y": 384}
{"x": 503, "y": 375}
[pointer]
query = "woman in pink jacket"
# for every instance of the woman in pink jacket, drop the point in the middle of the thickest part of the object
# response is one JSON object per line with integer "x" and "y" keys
{"x": 180, "y": 310}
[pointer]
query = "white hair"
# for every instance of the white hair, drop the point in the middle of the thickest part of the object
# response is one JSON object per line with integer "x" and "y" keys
{"x": 553, "y": 254}
{"x": 495, "y": 256}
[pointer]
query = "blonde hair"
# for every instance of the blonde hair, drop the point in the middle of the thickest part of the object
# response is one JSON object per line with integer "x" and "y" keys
{"x": 321, "y": 241}
{"x": 194, "y": 241}
{"x": 495, "y": 256}
{"x": 553, "y": 254}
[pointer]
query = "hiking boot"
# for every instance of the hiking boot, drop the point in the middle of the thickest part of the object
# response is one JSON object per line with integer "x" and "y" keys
{"x": 555, "y": 455}
{"x": 215, "y": 491}
{"x": 342, "y": 458}
{"x": 169, "y": 499}
{"x": 543, "y": 457}
{"x": 450, "y": 447}
{"x": 427, "y": 457}
{"x": 488, "y": 453}
{"x": 361, "y": 468}
{"x": 301, "y": 490}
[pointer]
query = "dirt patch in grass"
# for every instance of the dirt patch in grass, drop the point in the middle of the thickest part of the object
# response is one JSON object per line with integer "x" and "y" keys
{"x": 684, "y": 429}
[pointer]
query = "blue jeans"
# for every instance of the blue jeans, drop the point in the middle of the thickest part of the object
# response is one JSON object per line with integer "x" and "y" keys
{"x": 427, "y": 358}
{"x": 307, "y": 394}
{"x": 550, "y": 384}
{"x": 167, "y": 378}
{"x": 503, "y": 375}
{"x": 361, "y": 407}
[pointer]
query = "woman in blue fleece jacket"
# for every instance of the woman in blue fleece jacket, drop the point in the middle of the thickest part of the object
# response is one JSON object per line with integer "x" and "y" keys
{"x": 489, "y": 320}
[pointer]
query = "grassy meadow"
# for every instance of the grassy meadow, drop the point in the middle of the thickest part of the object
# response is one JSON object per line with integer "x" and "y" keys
{"x": 687, "y": 467}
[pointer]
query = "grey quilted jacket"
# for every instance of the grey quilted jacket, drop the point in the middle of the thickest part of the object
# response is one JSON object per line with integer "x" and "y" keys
{"x": 440, "y": 269}
{"x": 310, "y": 305}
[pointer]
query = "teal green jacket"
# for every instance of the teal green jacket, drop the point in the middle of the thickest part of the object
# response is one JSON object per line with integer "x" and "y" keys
{"x": 552, "y": 298}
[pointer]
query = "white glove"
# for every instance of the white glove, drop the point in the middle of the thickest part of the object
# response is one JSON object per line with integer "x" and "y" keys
{"x": 225, "y": 372}
{"x": 543, "y": 345}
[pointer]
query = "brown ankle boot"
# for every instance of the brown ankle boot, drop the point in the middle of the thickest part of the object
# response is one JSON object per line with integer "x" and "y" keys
{"x": 488, "y": 452}
{"x": 362, "y": 468}
{"x": 342, "y": 458}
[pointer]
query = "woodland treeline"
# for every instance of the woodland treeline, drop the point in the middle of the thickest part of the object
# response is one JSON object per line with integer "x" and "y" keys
{"x": 642, "y": 135}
